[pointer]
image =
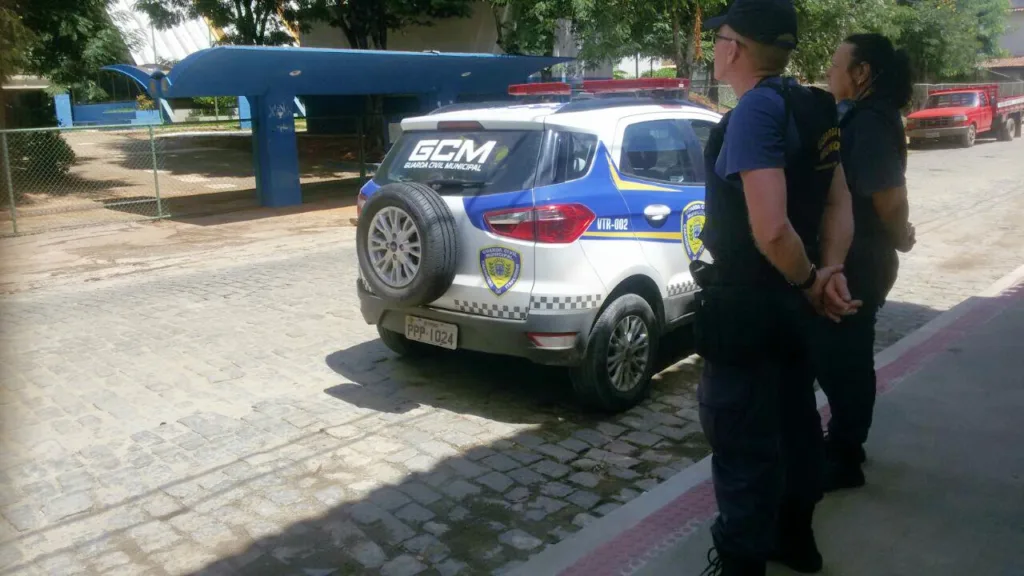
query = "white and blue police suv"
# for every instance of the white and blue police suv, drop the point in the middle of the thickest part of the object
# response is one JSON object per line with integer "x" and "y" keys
{"x": 561, "y": 232}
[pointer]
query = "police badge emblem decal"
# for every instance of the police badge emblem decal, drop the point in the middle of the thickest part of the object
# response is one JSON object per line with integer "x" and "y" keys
{"x": 693, "y": 224}
{"x": 500, "y": 267}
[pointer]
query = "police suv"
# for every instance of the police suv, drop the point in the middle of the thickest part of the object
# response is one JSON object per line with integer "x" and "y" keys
{"x": 561, "y": 232}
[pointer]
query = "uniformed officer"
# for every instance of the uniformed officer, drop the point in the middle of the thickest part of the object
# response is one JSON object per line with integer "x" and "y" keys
{"x": 871, "y": 81}
{"x": 776, "y": 203}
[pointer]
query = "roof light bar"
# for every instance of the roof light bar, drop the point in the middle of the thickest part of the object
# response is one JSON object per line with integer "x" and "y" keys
{"x": 540, "y": 89}
{"x": 635, "y": 84}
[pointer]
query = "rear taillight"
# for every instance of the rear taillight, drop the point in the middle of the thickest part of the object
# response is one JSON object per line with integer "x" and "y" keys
{"x": 555, "y": 224}
{"x": 360, "y": 202}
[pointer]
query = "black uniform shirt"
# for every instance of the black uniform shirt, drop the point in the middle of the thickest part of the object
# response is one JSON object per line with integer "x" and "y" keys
{"x": 874, "y": 156}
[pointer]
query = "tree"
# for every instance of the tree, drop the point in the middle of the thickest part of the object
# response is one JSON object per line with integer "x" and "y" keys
{"x": 990, "y": 18}
{"x": 941, "y": 40}
{"x": 15, "y": 40}
{"x": 609, "y": 30}
{"x": 824, "y": 23}
{"x": 366, "y": 23}
{"x": 529, "y": 27}
{"x": 71, "y": 41}
{"x": 245, "y": 22}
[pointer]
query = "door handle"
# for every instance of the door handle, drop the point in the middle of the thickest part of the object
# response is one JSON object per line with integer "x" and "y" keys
{"x": 657, "y": 214}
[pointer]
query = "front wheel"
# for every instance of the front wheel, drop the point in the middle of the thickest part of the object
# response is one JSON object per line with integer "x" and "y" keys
{"x": 616, "y": 371}
{"x": 968, "y": 139}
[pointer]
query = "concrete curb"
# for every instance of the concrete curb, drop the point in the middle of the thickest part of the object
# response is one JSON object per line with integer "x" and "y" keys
{"x": 625, "y": 540}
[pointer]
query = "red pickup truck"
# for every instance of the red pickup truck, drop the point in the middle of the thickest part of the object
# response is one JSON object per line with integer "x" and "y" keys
{"x": 962, "y": 114}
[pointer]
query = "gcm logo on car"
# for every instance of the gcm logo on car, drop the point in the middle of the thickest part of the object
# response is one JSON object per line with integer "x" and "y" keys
{"x": 450, "y": 154}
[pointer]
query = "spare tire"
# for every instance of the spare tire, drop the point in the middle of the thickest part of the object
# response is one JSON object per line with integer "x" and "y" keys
{"x": 406, "y": 244}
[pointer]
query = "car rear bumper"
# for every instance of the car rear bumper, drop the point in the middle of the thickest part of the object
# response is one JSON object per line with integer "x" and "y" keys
{"x": 935, "y": 133}
{"x": 491, "y": 335}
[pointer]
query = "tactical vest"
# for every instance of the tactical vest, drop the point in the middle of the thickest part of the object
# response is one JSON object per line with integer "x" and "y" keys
{"x": 727, "y": 234}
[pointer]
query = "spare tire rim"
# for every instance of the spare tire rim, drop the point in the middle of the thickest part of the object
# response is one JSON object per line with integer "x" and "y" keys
{"x": 629, "y": 349}
{"x": 394, "y": 247}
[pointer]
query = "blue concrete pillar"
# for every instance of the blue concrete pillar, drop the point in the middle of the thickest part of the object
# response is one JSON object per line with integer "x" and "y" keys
{"x": 63, "y": 104}
{"x": 244, "y": 114}
{"x": 275, "y": 151}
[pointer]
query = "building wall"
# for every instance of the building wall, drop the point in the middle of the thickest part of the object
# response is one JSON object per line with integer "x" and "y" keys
{"x": 476, "y": 34}
{"x": 1013, "y": 40}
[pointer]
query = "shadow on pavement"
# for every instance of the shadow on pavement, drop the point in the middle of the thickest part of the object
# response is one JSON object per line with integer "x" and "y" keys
{"x": 494, "y": 387}
{"x": 463, "y": 464}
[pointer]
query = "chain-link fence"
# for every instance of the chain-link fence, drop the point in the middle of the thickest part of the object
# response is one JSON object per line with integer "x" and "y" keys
{"x": 61, "y": 178}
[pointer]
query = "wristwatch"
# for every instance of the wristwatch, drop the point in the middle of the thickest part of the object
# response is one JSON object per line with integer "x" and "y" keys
{"x": 812, "y": 276}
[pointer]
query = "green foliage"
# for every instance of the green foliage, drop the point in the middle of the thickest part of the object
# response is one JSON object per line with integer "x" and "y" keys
{"x": 659, "y": 73}
{"x": 941, "y": 38}
{"x": 946, "y": 39}
{"x": 366, "y": 23}
{"x": 69, "y": 42}
{"x": 824, "y": 23}
{"x": 39, "y": 156}
{"x": 212, "y": 103}
{"x": 143, "y": 102}
{"x": 529, "y": 26}
{"x": 245, "y": 22}
{"x": 15, "y": 42}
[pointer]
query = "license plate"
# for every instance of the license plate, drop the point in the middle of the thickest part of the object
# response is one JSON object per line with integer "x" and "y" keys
{"x": 432, "y": 332}
{"x": 931, "y": 134}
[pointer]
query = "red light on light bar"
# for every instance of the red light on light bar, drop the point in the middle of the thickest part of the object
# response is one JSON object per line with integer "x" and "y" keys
{"x": 634, "y": 84}
{"x": 540, "y": 89}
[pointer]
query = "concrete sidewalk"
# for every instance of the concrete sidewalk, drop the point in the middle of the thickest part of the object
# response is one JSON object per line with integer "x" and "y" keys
{"x": 945, "y": 470}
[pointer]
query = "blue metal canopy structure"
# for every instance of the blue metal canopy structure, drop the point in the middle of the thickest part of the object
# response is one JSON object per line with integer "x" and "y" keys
{"x": 270, "y": 78}
{"x": 252, "y": 70}
{"x": 140, "y": 75}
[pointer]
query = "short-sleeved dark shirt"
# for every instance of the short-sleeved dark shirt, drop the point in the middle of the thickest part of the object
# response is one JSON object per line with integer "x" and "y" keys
{"x": 874, "y": 156}
{"x": 757, "y": 137}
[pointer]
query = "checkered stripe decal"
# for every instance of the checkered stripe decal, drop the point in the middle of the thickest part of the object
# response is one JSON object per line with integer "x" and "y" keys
{"x": 565, "y": 302}
{"x": 492, "y": 310}
{"x": 682, "y": 288}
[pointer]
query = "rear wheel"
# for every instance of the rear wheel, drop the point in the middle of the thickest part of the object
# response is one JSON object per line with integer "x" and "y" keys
{"x": 401, "y": 345}
{"x": 406, "y": 244}
{"x": 616, "y": 371}
{"x": 1007, "y": 131}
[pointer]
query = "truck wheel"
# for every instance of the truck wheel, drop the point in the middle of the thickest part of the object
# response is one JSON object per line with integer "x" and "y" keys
{"x": 914, "y": 144}
{"x": 968, "y": 139}
{"x": 401, "y": 345}
{"x": 406, "y": 244}
{"x": 616, "y": 371}
{"x": 1007, "y": 131}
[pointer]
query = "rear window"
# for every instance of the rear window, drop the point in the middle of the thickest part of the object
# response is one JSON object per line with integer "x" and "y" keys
{"x": 473, "y": 163}
{"x": 956, "y": 100}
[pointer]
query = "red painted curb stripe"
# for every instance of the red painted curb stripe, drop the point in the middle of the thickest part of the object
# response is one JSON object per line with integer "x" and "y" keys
{"x": 677, "y": 520}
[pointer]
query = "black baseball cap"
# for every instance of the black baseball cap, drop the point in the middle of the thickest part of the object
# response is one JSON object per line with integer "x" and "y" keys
{"x": 771, "y": 22}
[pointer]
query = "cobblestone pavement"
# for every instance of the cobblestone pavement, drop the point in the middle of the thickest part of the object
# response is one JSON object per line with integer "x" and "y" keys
{"x": 236, "y": 416}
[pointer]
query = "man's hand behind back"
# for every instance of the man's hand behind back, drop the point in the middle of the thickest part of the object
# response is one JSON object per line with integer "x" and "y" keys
{"x": 830, "y": 295}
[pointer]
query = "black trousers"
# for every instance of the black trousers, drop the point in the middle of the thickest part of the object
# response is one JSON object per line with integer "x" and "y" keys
{"x": 764, "y": 429}
{"x": 844, "y": 358}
